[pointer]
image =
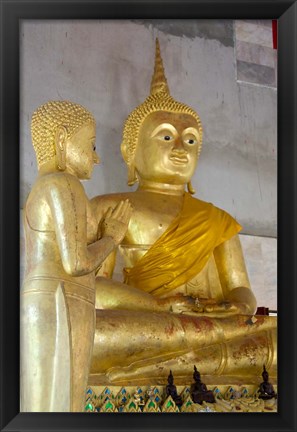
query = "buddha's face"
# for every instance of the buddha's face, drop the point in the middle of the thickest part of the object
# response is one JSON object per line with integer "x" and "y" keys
{"x": 167, "y": 148}
{"x": 81, "y": 152}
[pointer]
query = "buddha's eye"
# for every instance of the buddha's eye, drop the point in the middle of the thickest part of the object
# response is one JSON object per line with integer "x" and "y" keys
{"x": 167, "y": 138}
{"x": 94, "y": 148}
{"x": 191, "y": 141}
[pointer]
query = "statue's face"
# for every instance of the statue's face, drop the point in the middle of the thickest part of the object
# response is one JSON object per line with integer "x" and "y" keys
{"x": 80, "y": 152}
{"x": 167, "y": 148}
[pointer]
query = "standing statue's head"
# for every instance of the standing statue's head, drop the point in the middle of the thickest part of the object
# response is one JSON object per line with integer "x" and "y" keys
{"x": 162, "y": 138}
{"x": 64, "y": 132}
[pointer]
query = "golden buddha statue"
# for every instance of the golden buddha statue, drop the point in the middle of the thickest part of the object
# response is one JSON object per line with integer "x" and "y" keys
{"x": 64, "y": 246}
{"x": 186, "y": 298}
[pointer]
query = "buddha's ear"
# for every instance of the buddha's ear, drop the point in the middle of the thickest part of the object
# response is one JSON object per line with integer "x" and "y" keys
{"x": 124, "y": 150}
{"x": 132, "y": 178}
{"x": 60, "y": 147}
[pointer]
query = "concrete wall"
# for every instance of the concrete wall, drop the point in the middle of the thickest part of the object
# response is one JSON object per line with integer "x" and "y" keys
{"x": 107, "y": 67}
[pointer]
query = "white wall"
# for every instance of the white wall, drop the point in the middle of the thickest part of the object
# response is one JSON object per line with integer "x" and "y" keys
{"x": 107, "y": 67}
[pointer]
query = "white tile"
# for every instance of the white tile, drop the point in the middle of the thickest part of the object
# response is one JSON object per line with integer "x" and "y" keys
{"x": 253, "y": 53}
{"x": 253, "y": 73}
{"x": 253, "y": 33}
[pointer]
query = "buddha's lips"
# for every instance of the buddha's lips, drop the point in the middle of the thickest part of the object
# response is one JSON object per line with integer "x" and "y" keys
{"x": 179, "y": 159}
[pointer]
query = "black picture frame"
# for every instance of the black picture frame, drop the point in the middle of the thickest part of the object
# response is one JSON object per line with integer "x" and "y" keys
{"x": 285, "y": 11}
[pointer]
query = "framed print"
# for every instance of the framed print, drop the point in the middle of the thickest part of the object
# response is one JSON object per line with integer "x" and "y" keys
{"x": 234, "y": 65}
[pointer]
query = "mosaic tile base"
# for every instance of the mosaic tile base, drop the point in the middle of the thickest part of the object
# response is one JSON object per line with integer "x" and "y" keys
{"x": 116, "y": 399}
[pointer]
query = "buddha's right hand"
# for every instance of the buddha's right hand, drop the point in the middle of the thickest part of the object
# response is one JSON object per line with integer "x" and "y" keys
{"x": 115, "y": 222}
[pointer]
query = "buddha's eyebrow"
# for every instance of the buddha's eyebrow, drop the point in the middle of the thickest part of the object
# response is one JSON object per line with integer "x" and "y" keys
{"x": 166, "y": 126}
{"x": 191, "y": 130}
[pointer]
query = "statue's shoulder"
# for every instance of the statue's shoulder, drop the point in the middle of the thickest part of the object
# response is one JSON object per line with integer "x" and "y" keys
{"x": 200, "y": 205}
{"x": 214, "y": 217}
{"x": 204, "y": 205}
{"x": 59, "y": 181}
{"x": 198, "y": 201}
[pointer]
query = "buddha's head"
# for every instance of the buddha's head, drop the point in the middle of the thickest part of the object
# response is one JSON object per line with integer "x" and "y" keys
{"x": 162, "y": 138}
{"x": 64, "y": 132}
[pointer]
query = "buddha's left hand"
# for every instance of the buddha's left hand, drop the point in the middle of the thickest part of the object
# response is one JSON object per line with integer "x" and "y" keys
{"x": 239, "y": 301}
{"x": 226, "y": 308}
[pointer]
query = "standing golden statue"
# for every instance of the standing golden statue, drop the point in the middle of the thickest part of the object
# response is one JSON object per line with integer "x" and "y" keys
{"x": 186, "y": 298}
{"x": 64, "y": 246}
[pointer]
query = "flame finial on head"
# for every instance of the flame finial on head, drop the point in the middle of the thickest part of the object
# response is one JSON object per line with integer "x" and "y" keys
{"x": 159, "y": 81}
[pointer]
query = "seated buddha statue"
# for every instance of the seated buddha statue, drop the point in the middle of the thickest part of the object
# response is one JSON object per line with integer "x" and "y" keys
{"x": 185, "y": 297}
{"x": 171, "y": 390}
{"x": 266, "y": 390}
{"x": 64, "y": 246}
{"x": 199, "y": 391}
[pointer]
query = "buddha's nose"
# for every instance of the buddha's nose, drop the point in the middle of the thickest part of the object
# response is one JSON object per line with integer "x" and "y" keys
{"x": 179, "y": 145}
{"x": 96, "y": 158}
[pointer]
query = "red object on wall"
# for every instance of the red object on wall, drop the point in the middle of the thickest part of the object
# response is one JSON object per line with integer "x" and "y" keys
{"x": 274, "y": 34}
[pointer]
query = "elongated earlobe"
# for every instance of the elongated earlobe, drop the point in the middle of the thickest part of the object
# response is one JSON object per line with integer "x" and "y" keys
{"x": 61, "y": 160}
{"x": 191, "y": 190}
{"x": 132, "y": 178}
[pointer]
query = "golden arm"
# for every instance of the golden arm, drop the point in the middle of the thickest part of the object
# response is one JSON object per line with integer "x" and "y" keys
{"x": 68, "y": 206}
{"x": 99, "y": 207}
{"x": 238, "y": 295}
